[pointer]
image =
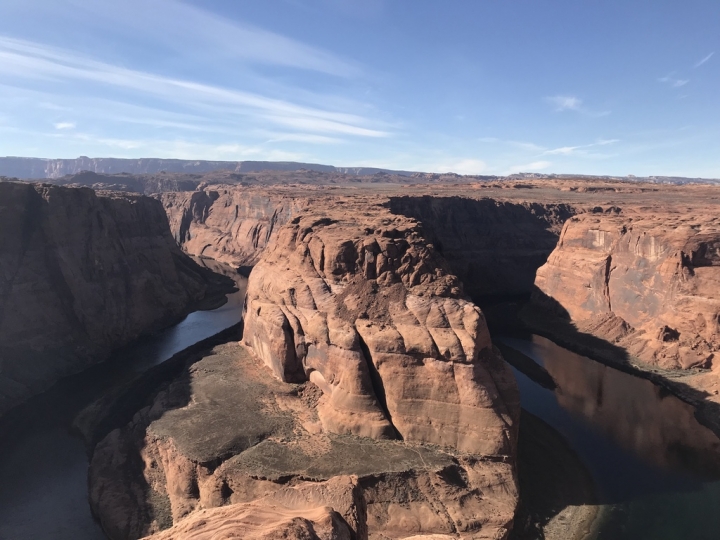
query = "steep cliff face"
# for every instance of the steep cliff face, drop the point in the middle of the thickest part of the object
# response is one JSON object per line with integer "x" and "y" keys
{"x": 370, "y": 313}
{"x": 494, "y": 247}
{"x": 82, "y": 274}
{"x": 229, "y": 224}
{"x": 649, "y": 282}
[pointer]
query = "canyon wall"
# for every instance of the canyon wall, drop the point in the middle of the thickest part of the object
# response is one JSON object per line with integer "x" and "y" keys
{"x": 493, "y": 246}
{"x": 229, "y": 224}
{"x": 647, "y": 281}
{"x": 83, "y": 273}
{"x": 389, "y": 415}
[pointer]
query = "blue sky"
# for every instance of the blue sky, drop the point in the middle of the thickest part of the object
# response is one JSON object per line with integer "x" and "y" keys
{"x": 471, "y": 86}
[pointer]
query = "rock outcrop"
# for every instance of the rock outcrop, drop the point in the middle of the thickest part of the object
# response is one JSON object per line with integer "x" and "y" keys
{"x": 493, "y": 246}
{"x": 646, "y": 281}
{"x": 370, "y": 313}
{"x": 229, "y": 448}
{"x": 227, "y": 223}
{"x": 389, "y": 415}
{"x": 83, "y": 274}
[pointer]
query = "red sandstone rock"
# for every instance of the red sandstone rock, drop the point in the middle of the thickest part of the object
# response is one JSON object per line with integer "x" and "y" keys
{"x": 82, "y": 275}
{"x": 230, "y": 224}
{"x": 369, "y": 313}
{"x": 648, "y": 282}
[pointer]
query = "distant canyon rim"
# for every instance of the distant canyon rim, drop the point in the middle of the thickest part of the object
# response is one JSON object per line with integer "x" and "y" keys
{"x": 362, "y": 396}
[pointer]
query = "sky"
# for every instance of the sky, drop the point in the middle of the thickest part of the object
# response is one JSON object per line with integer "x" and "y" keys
{"x": 490, "y": 87}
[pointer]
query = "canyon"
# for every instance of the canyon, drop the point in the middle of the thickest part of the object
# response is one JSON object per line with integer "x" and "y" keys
{"x": 84, "y": 274}
{"x": 362, "y": 396}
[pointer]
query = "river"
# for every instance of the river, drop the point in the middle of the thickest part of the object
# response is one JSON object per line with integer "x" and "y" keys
{"x": 655, "y": 469}
{"x": 43, "y": 466}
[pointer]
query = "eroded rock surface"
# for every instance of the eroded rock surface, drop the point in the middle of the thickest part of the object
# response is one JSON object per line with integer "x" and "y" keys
{"x": 81, "y": 275}
{"x": 228, "y": 449}
{"x": 370, "y": 313}
{"x": 493, "y": 246}
{"x": 647, "y": 281}
{"x": 229, "y": 224}
{"x": 366, "y": 401}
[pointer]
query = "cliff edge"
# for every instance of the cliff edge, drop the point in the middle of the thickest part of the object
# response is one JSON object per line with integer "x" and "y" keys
{"x": 82, "y": 274}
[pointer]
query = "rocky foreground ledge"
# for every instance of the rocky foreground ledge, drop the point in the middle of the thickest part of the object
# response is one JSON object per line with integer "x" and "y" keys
{"x": 365, "y": 401}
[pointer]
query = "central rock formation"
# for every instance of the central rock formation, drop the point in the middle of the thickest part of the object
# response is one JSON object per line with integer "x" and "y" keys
{"x": 83, "y": 274}
{"x": 366, "y": 401}
{"x": 370, "y": 313}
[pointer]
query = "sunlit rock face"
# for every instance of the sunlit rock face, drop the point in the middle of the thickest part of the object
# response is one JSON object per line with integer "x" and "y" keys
{"x": 227, "y": 223}
{"x": 83, "y": 274}
{"x": 367, "y": 311}
{"x": 647, "y": 281}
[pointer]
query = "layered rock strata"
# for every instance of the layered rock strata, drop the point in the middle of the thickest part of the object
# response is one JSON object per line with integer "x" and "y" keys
{"x": 229, "y": 224}
{"x": 648, "y": 282}
{"x": 493, "y": 246}
{"x": 83, "y": 274}
{"x": 227, "y": 449}
{"x": 389, "y": 414}
{"x": 369, "y": 312}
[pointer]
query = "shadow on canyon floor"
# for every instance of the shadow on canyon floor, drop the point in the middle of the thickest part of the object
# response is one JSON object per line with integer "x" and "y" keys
{"x": 120, "y": 407}
{"x": 551, "y": 478}
{"x": 634, "y": 432}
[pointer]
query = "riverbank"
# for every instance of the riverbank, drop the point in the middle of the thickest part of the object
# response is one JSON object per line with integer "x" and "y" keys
{"x": 43, "y": 465}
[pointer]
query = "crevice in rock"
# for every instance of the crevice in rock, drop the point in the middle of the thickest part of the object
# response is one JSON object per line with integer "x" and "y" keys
{"x": 606, "y": 285}
{"x": 377, "y": 384}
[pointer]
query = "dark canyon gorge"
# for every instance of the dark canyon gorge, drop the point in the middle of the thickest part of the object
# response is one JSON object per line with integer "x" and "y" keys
{"x": 489, "y": 359}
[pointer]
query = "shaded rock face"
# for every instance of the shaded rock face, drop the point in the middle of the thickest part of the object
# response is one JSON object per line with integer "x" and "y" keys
{"x": 648, "y": 282}
{"x": 494, "y": 247}
{"x": 368, "y": 312}
{"x": 82, "y": 274}
{"x": 228, "y": 224}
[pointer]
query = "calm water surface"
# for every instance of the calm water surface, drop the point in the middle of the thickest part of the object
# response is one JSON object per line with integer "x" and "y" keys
{"x": 43, "y": 468}
{"x": 656, "y": 469}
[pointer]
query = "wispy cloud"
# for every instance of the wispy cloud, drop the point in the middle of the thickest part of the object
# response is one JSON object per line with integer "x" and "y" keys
{"x": 27, "y": 60}
{"x": 64, "y": 125}
{"x": 535, "y": 166}
{"x": 517, "y": 144}
{"x": 701, "y": 62}
{"x": 580, "y": 149}
{"x": 195, "y": 32}
{"x": 565, "y": 103}
{"x": 175, "y": 148}
{"x": 672, "y": 81}
{"x": 572, "y": 103}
